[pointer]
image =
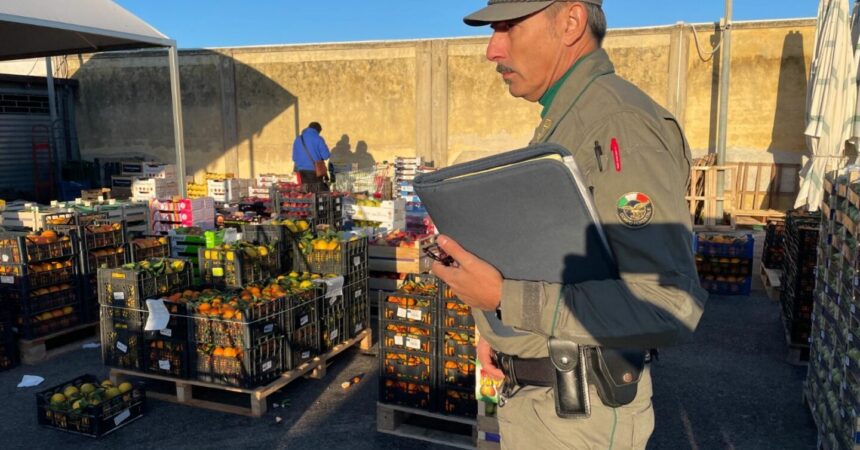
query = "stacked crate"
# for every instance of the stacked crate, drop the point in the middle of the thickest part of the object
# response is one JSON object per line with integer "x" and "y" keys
{"x": 38, "y": 282}
{"x": 237, "y": 265}
{"x": 833, "y": 380}
{"x": 773, "y": 251}
{"x": 724, "y": 263}
{"x": 185, "y": 243}
{"x": 122, "y": 294}
{"x": 102, "y": 245}
{"x": 457, "y": 355}
{"x": 148, "y": 247}
{"x": 169, "y": 215}
{"x": 798, "y": 276}
{"x": 291, "y": 201}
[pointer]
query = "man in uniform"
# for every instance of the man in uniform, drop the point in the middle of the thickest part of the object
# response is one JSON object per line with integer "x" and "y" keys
{"x": 634, "y": 156}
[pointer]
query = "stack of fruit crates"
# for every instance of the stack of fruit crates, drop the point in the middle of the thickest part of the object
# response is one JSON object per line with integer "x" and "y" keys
{"x": 457, "y": 354}
{"x": 148, "y": 247}
{"x": 292, "y": 201}
{"x": 773, "y": 251}
{"x": 38, "y": 279}
{"x": 833, "y": 379}
{"x": 275, "y": 234}
{"x": 237, "y": 265}
{"x": 341, "y": 255}
{"x": 122, "y": 294}
{"x": 102, "y": 245}
{"x": 798, "y": 275}
{"x": 344, "y": 314}
{"x": 724, "y": 263}
{"x": 409, "y": 345}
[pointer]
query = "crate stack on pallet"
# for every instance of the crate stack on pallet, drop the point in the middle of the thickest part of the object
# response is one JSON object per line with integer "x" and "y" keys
{"x": 38, "y": 279}
{"x": 798, "y": 278}
{"x": 238, "y": 264}
{"x": 394, "y": 256}
{"x": 427, "y": 349}
{"x": 833, "y": 380}
{"x": 724, "y": 262}
{"x": 102, "y": 245}
{"x": 346, "y": 314}
{"x": 772, "y": 257}
{"x": 292, "y": 201}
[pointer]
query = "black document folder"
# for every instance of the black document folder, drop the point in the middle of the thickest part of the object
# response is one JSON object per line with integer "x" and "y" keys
{"x": 527, "y": 212}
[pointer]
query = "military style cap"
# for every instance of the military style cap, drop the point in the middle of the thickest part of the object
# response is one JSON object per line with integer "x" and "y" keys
{"x": 501, "y": 10}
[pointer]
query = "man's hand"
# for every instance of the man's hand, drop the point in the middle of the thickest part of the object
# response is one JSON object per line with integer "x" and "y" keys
{"x": 485, "y": 353}
{"x": 473, "y": 280}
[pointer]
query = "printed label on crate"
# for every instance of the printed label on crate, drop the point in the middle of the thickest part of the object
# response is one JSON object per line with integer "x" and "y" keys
{"x": 121, "y": 417}
{"x": 4, "y": 258}
{"x": 358, "y": 293}
{"x": 164, "y": 364}
{"x": 414, "y": 314}
{"x": 269, "y": 328}
{"x": 122, "y": 347}
{"x": 333, "y": 300}
{"x": 267, "y": 366}
{"x": 333, "y": 335}
{"x": 217, "y": 272}
{"x": 413, "y": 343}
{"x": 358, "y": 327}
{"x": 7, "y": 280}
{"x": 356, "y": 261}
{"x": 304, "y": 320}
{"x": 401, "y": 312}
{"x": 306, "y": 354}
{"x": 166, "y": 332}
{"x": 398, "y": 340}
{"x": 119, "y": 295}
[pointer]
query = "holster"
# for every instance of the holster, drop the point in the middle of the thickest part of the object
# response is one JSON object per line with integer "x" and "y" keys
{"x": 570, "y": 387}
{"x": 616, "y": 374}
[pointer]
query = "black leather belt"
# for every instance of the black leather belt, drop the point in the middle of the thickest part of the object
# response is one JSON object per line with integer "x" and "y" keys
{"x": 526, "y": 372}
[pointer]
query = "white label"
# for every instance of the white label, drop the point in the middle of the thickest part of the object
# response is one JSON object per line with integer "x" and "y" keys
{"x": 358, "y": 293}
{"x": 5, "y": 258}
{"x": 333, "y": 300}
{"x": 269, "y": 328}
{"x": 322, "y": 207}
{"x": 7, "y": 280}
{"x": 304, "y": 320}
{"x": 358, "y": 327}
{"x": 267, "y": 366}
{"x": 164, "y": 364}
{"x": 356, "y": 261}
{"x": 333, "y": 335}
{"x": 401, "y": 313}
{"x": 306, "y": 355}
{"x": 414, "y": 314}
{"x": 166, "y": 332}
{"x": 119, "y": 295}
{"x": 398, "y": 340}
{"x": 413, "y": 343}
{"x": 122, "y": 347}
{"x": 121, "y": 417}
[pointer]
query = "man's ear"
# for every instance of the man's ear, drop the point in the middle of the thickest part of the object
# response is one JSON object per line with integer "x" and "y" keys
{"x": 575, "y": 17}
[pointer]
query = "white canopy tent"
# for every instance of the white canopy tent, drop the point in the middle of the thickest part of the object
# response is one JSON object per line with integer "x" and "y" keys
{"x": 35, "y": 28}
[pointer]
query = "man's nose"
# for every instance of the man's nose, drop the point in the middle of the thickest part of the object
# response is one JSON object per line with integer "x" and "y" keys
{"x": 496, "y": 48}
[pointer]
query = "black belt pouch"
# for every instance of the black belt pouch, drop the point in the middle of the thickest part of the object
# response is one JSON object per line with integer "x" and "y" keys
{"x": 616, "y": 374}
{"x": 570, "y": 386}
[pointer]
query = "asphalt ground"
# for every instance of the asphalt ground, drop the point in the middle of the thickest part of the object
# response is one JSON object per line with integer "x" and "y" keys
{"x": 731, "y": 388}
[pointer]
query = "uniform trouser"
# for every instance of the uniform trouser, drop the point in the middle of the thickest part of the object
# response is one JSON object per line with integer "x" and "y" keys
{"x": 528, "y": 421}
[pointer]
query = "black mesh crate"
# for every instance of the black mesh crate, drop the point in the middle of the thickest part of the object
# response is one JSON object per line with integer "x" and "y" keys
{"x": 349, "y": 260}
{"x": 167, "y": 357}
{"x": 116, "y": 410}
{"x": 457, "y": 372}
{"x": 304, "y": 345}
{"x": 121, "y": 348}
{"x": 72, "y": 221}
{"x": 148, "y": 247}
{"x": 333, "y": 322}
{"x": 38, "y": 275}
{"x": 394, "y": 391}
{"x": 258, "y": 322}
{"x": 276, "y": 235}
{"x": 130, "y": 287}
{"x": 406, "y": 336}
{"x": 457, "y": 343}
{"x": 358, "y": 307}
{"x": 26, "y": 248}
{"x": 458, "y": 402}
{"x": 177, "y": 327}
{"x": 453, "y": 313}
{"x": 247, "y": 368}
{"x": 45, "y": 314}
{"x": 419, "y": 309}
{"x": 418, "y": 367}
{"x": 236, "y": 268}
{"x": 303, "y": 309}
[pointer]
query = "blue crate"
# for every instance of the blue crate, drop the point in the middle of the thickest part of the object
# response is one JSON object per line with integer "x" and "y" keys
{"x": 744, "y": 247}
{"x": 726, "y": 288}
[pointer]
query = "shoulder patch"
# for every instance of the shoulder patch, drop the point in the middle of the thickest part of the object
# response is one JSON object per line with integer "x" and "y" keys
{"x": 635, "y": 209}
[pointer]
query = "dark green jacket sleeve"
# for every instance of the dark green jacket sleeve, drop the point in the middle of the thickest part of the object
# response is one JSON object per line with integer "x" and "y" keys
{"x": 657, "y": 301}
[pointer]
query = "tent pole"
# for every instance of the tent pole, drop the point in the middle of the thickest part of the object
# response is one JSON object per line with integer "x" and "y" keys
{"x": 725, "y": 72}
{"x": 52, "y": 110}
{"x": 176, "y": 95}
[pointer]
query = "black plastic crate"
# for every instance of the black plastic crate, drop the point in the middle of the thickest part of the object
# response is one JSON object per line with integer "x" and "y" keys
{"x": 457, "y": 343}
{"x": 122, "y": 349}
{"x": 358, "y": 307}
{"x": 24, "y": 248}
{"x": 250, "y": 368}
{"x": 130, "y": 287}
{"x": 304, "y": 309}
{"x": 227, "y": 268}
{"x": 405, "y": 393}
{"x": 37, "y": 275}
{"x": 94, "y": 420}
{"x": 167, "y": 357}
{"x": 9, "y": 357}
{"x": 453, "y": 313}
{"x": 458, "y": 402}
{"x": 105, "y": 258}
{"x": 418, "y": 367}
{"x": 72, "y": 221}
{"x": 177, "y": 328}
{"x": 148, "y": 247}
{"x": 49, "y": 315}
{"x": 350, "y": 260}
{"x": 272, "y": 235}
{"x": 259, "y": 322}
{"x": 457, "y": 372}
{"x": 419, "y": 309}
{"x": 406, "y": 336}
{"x": 303, "y": 345}
{"x": 333, "y": 325}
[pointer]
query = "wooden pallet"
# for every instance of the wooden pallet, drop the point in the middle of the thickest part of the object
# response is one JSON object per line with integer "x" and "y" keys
{"x": 755, "y": 218}
{"x": 425, "y": 426}
{"x": 41, "y": 349}
{"x": 770, "y": 280}
{"x": 255, "y": 398}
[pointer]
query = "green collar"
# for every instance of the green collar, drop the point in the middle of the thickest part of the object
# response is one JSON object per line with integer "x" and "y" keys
{"x": 548, "y": 96}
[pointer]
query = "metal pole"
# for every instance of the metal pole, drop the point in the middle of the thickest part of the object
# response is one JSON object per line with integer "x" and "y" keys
{"x": 176, "y": 94}
{"x": 52, "y": 110}
{"x": 725, "y": 72}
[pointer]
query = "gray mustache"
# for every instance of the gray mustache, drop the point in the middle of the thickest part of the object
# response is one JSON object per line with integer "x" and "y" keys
{"x": 503, "y": 69}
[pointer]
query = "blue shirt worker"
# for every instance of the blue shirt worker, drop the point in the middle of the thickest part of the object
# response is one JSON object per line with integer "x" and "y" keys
{"x": 308, "y": 148}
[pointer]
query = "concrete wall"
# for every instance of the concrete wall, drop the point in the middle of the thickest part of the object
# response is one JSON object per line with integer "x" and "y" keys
{"x": 436, "y": 98}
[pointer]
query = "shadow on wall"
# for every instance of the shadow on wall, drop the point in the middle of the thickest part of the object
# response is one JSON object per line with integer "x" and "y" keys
{"x": 342, "y": 154}
{"x": 124, "y": 110}
{"x": 790, "y": 119}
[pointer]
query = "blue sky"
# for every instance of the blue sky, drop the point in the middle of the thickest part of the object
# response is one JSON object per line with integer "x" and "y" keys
{"x": 223, "y": 23}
